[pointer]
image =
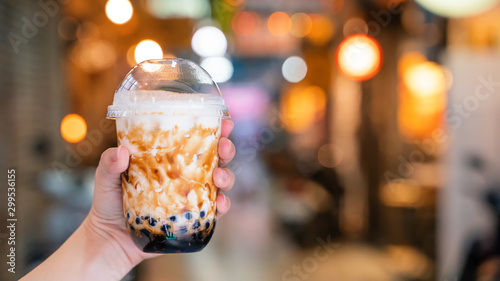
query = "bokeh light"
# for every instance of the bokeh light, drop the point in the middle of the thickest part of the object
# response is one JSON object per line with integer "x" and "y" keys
{"x": 409, "y": 60}
{"x": 322, "y": 29}
{"x": 163, "y": 9}
{"x": 355, "y": 26}
{"x": 462, "y": 8}
{"x": 279, "y": 24}
{"x": 294, "y": 69}
{"x": 359, "y": 57}
{"x": 425, "y": 79}
{"x": 235, "y": 3}
{"x": 119, "y": 11}
{"x": 422, "y": 95}
{"x": 220, "y": 68}
{"x": 67, "y": 27}
{"x": 209, "y": 41}
{"x": 245, "y": 23}
{"x": 301, "y": 107}
{"x": 416, "y": 122}
{"x": 93, "y": 55}
{"x": 147, "y": 50}
{"x": 330, "y": 155}
{"x": 401, "y": 193}
{"x": 73, "y": 128}
{"x": 301, "y": 25}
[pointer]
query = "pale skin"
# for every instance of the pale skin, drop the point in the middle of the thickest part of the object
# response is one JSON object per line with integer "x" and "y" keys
{"x": 101, "y": 249}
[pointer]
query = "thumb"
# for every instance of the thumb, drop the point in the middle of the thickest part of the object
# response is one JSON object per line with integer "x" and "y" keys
{"x": 113, "y": 162}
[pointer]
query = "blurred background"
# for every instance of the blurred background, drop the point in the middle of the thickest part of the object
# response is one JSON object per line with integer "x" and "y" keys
{"x": 365, "y": 130}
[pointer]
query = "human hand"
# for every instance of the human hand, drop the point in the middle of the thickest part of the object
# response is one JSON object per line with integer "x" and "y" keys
{"x": 106, "y": 220}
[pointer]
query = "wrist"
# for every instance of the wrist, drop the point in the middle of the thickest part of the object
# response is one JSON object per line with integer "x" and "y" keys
{"x": 109, "y": 247}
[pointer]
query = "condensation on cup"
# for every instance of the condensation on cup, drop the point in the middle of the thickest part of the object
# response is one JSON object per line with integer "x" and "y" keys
{"x": 168, "y": 114}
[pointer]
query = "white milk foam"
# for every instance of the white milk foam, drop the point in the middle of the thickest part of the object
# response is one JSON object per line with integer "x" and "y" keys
{"x": 135, "y": 98}
{"x": 155, "y": 100}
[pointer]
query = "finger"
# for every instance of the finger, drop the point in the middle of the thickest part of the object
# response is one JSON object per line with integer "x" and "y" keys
{"x": 223, "y": 179}
{"x": 226, "y": 151}
{"x": 226, "y": 128}
{"x": 113, "y": 162}
{"x": 223, "y": 204}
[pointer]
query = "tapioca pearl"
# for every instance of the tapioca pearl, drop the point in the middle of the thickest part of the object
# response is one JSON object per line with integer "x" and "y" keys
{"x": 207, "y": 225}
{"x": 152, "y": 221}
{"x": 197, "y": 236}
{"x": 132, "y": 228}
{"x": 165, "y": 228}
{"x": 173, "y": 218}
{"x": 145, "y": 218}
{"x": 160, "y": 238}
{"x": 188, "y": 215}
{"x": 128, "y": 215}
{"x": 202, "y": 214}
{"x": 146, "y": 232}
{"x": 196, "y": 224}
{"x": 138, "y": 220}
{"x": 182, "y": 229}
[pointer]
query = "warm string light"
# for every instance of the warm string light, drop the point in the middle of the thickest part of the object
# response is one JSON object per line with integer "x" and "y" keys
{"x": 279, "y": 24}
{"x": 301, "y": 25}
{"x": 119, "y": 11}
{"x": 146, "y": 50}
{"x": 245, "y": 23}
{"x": 359, "y": 57}
{"x": 422, "y": 95}
{"x": 73, "y": 128}
{"x": 303, "y": 106}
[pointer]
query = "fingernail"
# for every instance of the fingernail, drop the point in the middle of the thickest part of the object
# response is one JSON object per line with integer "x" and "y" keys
{"x": 115, "y": 156}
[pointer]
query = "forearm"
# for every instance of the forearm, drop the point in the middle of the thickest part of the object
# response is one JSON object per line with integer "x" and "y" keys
{"x": 87, "y": 255}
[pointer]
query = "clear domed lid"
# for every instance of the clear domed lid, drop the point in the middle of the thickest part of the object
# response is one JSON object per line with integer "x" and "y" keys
{"x": 167, "y": 86}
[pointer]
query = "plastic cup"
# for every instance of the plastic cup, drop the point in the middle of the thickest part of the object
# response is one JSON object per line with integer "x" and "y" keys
{"x": 168, "y": 114}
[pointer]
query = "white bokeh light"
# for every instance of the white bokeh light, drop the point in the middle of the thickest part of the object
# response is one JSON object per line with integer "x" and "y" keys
{"x": 163, "y": 9}
{"x": 294, "y": 69}
{"x": 220, "y": 68}
{"x": 146, "y": 50}
{"x": 119, "y": 11}
{"x": 359, "y": 57}
{"x": 454, "y": 8}
{"x": 209, "y": 41}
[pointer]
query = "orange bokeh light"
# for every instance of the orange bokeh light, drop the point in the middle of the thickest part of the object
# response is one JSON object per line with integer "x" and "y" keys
{"x": 279, "y": 24}
{"x": 425, "y": 79}
{"x": 322, "y": 29}
{"x": 73, "y": 128}
{"x": 245, "y": 23}
{"x": 422, "y": 96}
{"x": 409, "y": 60}
{"x": 301, "y": 25}
{"x": 415, "y": 125}
{"x": 302, "y": 106}
{"x": 359, "y": 57}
